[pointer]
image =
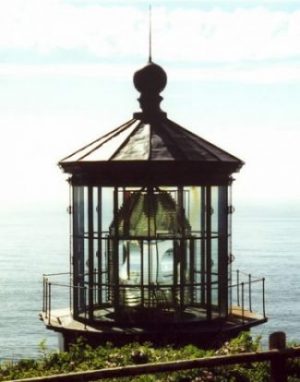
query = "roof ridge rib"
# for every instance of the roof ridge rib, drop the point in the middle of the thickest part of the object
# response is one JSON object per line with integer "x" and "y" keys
{"x": 121, "y": 127}
{"x": 124, "y": 143}
{"x": 124, "y": 127}
{"x": 167, "y": 133}
{"x": 194, "y": 135}
{"x": 205, "y": 141}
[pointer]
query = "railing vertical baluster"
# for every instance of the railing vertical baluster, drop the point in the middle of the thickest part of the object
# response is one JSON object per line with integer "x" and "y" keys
{"x": 250, "y": 292}
{"x": 243, "y": 307}
{"x": 70, "y": 297}
{"x": 238, "y": 286}
{"x": 263, "y": 293}
{"x": 70, "y": 294}
{"x": 49, "y": 304}
{"x": 46, "y": 298}
{"x": 43, "y": 306}
{"x": 230, "y": 293}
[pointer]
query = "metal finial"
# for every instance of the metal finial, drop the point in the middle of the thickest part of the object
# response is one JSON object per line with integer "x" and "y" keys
{"x": 150, "y": 34}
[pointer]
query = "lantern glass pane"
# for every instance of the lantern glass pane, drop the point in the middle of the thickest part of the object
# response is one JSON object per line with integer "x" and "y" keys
{"x": 107, "y": 208}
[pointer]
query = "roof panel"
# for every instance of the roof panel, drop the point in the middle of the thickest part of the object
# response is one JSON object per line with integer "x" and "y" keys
{"x": 196, "y": 146}
{"x": 159, "y": 149}
{"x": 160, "y": 140}
{"x": 105, "y": 147}
{"x": 137, "y": 146}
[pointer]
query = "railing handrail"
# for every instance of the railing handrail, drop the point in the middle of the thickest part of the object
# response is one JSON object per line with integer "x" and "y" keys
{"x": 276, "y": 356}
{"x": 215, "y": 273}
{"x": 158, "y": 286}
{"x": 253, "y": 281}
{"x": 240, "y": 288}
{"x": 68, "y": 285}
{"x": 56, "y": 274}
{"x": 239, "y": 272}
{"x": 246, "y": 283}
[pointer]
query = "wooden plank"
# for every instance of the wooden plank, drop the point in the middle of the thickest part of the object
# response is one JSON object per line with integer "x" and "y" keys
{"x": 179, "y": 365}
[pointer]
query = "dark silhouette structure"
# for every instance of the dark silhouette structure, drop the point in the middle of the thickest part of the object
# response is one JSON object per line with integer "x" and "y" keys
{"x": 151, "y": 235}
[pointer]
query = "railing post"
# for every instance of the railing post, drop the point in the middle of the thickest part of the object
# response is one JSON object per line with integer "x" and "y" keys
{"x": 46, "y": 298}
{"x": 70, "y": 297}
{"x": 44, "y": 294}
{"x": 243, "y": 303}
{"x": 263, "y": 292}
{"x": 230, "y": 293}
{"x": 238, "y": 286}
{"x": 43, "y": 306}
{"x": 49, "y": 304}
{"x": 277, "y": 340}
{"x": 250, "y": 292}
{"x": 70, "y": 294}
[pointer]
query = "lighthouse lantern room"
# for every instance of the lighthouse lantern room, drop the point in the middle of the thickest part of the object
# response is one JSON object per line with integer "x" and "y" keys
{"x": 151, "y": 255}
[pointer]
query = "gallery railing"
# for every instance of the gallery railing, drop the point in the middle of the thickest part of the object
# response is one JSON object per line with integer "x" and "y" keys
{"x": 246, "y": 295}
{"x": 63, "y": 281}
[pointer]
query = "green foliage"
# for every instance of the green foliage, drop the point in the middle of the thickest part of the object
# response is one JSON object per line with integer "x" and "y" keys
{"x": 242, "y": 344}
{"x": 81, "y": 357}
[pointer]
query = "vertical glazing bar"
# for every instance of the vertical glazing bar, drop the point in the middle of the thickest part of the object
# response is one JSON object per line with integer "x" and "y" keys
{"x": 99, "y": 265}
{"x": 208, "y": 253}
{"x": 223, "y": 253}
{"x": 238, "y": 287}
{"x": 128, "y": 258}
{"x": 115, "y": 262}
{"x": 149, "y": 195}
{"x": 149, "y": 282}
{"x": 109, "y": 280}
{"x": 85, "y": 307}
{"x": 250, "y": 292}
{"x": 203, "y": 246}
{"x": 182, "y": 247}
{"x": 74, "y": 260}
{"x": 175, "y": 273}
{"x": 78, "y": 248}
{"x": 243, "y": 306}
{"x": 90, "y": 254}
{"x": 230, "y": 297}
{"x": 192, "y": 271}
{"x": 229, "y": 243}
{"x": 141, "y": 243}
{"x": 70, "y": 211}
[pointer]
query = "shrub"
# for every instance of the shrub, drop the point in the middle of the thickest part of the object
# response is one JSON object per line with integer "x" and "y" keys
{"x": 82, "y": 357}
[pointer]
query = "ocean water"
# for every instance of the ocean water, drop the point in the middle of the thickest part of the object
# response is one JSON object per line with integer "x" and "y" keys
{"x": 32, "y": 242}
{"x": 266, "y": 243}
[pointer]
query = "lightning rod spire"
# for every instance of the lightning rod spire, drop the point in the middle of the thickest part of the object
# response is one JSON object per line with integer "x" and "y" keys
{"x": 150, "y": 35}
